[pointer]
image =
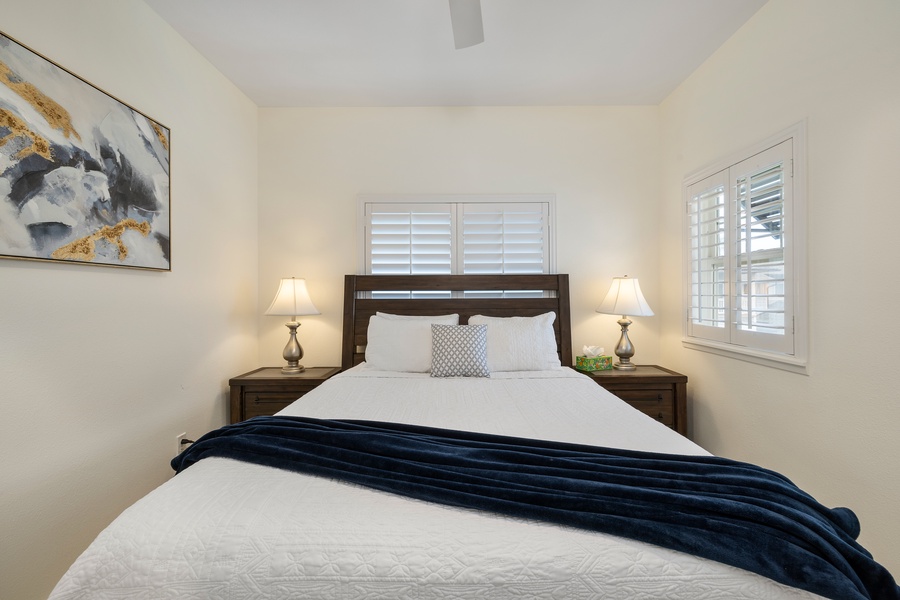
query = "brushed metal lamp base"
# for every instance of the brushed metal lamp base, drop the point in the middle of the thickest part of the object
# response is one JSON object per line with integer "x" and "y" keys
{"x": 624, "y": 349}
{"x": 292, "y": 351}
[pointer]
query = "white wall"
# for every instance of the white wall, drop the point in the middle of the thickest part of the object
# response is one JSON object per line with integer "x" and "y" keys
{"x": 601, "y": 162}
{"x": 101, "y": 367}
{"x": 836, "y": 64}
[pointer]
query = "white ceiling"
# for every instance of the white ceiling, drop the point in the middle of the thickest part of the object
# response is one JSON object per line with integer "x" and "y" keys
{"x": 400, "y": 52}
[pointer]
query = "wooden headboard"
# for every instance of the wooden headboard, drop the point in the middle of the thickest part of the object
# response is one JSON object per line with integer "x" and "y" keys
{"x": 359, "y": 304}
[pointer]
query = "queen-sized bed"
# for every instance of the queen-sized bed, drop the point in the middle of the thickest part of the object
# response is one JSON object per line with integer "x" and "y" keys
{"x": 230, "y": 526}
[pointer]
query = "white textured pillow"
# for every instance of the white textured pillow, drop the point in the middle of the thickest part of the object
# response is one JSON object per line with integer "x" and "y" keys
{"x": 459, "y": 351}
{"x": 402, "y": 344}
{"x": 520, "y": 343}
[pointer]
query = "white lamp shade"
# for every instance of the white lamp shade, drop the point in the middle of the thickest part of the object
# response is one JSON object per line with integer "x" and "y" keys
{"x": 625, "y": 298}
{"x": 292, "y": 299}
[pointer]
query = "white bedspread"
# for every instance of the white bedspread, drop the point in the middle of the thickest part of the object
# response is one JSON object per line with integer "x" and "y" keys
{"x": 224, "y": 529}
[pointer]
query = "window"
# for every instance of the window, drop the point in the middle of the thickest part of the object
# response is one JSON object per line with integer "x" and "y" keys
{"x": 746, "y": 291}
{"x": 441, "y": 235}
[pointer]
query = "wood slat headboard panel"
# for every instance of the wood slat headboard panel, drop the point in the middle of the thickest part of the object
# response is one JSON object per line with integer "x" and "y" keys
{"x": 359, "y": 306}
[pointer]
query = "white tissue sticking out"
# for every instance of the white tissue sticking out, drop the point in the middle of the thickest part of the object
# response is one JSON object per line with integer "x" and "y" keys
{"x": 592, "y": 351}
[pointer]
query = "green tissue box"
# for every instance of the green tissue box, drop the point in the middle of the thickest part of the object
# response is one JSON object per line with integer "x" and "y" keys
{"x": 593, "y": 363}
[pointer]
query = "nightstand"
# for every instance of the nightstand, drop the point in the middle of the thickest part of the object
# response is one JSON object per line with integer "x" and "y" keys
{"x": 267, "y": 390}
{"x": 655, "y": 391}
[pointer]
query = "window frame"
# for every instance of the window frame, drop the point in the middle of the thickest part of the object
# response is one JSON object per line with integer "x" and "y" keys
{"x": 457, "y": 262}
{"x": 740, "y": 345}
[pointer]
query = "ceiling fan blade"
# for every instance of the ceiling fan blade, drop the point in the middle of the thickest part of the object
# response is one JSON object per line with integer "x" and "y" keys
{"x": 465, "y": 17}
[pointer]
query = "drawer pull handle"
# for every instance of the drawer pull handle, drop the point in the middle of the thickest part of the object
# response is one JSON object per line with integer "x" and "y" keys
{"x": 659, "y": 397}
{"x": 659, "y": 417}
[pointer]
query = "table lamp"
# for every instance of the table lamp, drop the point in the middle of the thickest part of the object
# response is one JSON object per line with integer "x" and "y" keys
{"x": 292, "y": 300}
{"x": 625, "y": 298}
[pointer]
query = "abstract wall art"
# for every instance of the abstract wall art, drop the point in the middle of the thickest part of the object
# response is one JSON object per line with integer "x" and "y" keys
{"x": 84, "y": 178}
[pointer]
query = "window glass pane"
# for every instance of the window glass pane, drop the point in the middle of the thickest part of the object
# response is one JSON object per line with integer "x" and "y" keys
{"x": 761, "y": 296}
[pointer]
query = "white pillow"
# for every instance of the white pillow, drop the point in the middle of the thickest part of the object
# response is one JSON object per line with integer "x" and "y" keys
{"x": 396, "y": 343}
{"x": 520, "y": 343}
{"x": 431, "y": 319}
{"x": 459, "y": 351}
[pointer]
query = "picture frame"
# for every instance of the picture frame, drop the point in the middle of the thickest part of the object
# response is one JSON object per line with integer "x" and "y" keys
{"x": 84, "y": 177}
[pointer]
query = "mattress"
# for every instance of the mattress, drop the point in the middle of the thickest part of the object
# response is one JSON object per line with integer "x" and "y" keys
{"x": 228, "y": 529}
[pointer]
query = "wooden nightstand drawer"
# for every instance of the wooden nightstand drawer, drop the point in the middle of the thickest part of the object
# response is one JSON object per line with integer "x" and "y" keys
{"x": 266, "y": 391}
{"x": 655, "y": 391}
{"x": 265, "y": 403}
{"x": 658, "y": 403}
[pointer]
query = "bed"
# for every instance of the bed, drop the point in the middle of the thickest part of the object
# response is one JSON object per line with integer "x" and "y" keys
{"x": 232, "y": 527}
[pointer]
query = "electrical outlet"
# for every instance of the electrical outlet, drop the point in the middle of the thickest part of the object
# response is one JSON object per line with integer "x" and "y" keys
{"x": 178, "y": 445}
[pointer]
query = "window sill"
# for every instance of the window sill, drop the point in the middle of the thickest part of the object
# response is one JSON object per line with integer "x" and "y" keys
{"x": 776, "y": 361}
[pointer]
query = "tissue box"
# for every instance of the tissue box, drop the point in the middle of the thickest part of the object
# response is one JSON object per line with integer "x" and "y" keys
{"x": 593, "y": 363}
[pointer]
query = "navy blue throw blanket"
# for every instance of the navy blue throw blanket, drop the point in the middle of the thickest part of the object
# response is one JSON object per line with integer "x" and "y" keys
{"x": 731, "y": 512}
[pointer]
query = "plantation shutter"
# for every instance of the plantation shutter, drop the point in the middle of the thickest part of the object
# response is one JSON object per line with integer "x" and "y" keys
{"x": 709, "y": 276}
{"x": 762, "y": 186}
{"x": 741, "y": 287}
{"x": 474, "y": 237}
{"x": 504, "y": 238}
{"x": 411, "y": 239}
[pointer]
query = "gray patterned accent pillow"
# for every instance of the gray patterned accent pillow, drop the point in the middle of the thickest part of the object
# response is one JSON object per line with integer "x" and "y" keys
{"x": 459, "y": 351}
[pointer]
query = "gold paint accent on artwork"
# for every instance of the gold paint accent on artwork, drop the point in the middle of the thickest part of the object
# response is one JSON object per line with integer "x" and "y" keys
{"x": 18, "y": 128}
{"x": 84, "y": 248}
{"x": 58, "y": 117}
{"x": 160, "y": 134}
